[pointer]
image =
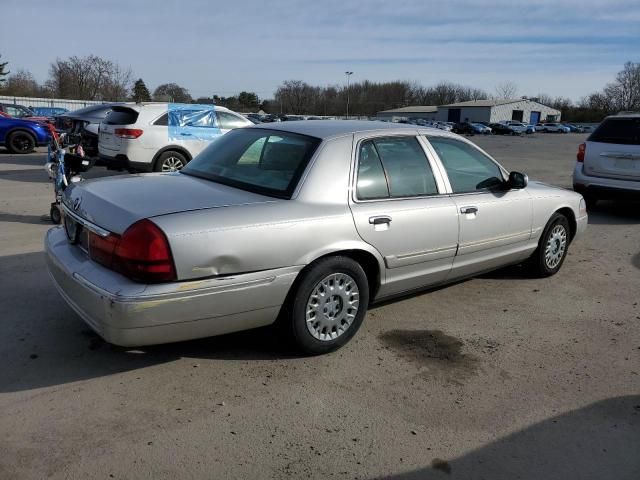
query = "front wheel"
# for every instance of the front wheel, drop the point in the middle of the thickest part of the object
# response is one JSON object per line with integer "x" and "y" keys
{"x": 327, "y": 306}
{"x": 552, "y": 249}
{"x": 21, "y": 142}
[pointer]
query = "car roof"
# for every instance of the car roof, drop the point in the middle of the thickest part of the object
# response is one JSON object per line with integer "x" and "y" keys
{"x": 325, "y": 129}
{"x": 164, "y": 106}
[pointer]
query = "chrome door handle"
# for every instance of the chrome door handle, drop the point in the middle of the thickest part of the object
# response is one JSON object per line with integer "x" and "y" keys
{"x": 379, "y": 219}
{"x": 469, "y": 210}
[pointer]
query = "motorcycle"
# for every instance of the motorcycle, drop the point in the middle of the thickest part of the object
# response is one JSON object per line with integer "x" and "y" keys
{"x": 66, "y": 160}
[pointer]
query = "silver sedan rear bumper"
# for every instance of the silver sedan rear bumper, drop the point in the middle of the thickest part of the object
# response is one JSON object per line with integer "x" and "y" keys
{"x": 133, "y": 314}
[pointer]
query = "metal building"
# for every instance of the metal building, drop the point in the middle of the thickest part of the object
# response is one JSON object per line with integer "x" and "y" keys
{"x": 493, "y": 111}
{"x": 426, "y": 112}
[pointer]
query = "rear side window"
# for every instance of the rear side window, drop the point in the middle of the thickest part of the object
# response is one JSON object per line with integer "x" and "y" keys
{"x": 121, "y": 116}
{"x": 257, "y": 160}
{"x": 621, "y": 131}
{"x": 228, "y": 121}
{"x": 163, "y": 121}
{"x": 393, "y": 167}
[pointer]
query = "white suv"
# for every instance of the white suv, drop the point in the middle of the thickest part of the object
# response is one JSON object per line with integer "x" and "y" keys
{"x": 161, "y": 137}
{"x": 608, "y": 163}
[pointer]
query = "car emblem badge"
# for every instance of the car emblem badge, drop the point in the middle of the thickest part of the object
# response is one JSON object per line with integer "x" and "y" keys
{"x": 76, "y": 203}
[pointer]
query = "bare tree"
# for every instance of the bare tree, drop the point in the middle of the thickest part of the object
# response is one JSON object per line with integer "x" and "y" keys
{"x": 88, "y": 78}
{"x": 506, "y": 90}
{"x": 22, "y": 84}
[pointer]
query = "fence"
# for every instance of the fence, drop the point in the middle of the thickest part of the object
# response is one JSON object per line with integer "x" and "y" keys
{"x": 48, "y": 102}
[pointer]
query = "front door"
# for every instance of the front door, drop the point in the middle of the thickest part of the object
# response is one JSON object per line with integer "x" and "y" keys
{"x": 495, "y": 222}
{"x": 399, "y": 207}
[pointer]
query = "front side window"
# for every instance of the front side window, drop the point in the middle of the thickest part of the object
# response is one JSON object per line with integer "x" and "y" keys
{"x": 468, "y": 169}
{"x": 262, "y": 161}
{"x": 393, "y": 167}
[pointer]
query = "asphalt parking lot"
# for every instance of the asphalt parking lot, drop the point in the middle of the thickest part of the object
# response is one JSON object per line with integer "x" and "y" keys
{"x": 500, "y": 376}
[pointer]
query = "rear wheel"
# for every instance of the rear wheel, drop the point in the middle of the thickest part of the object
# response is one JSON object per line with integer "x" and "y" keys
{"x": 21, "y": 142}
{"x": 552, "y": 249}
{"x": 327, "y": 306}
{"x": 170, "y": 162}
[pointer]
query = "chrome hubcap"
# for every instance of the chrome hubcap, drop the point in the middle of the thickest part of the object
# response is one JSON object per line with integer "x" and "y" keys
{"x": 556, "y": 246}
{"x": 172, "y": 164}
{"x": 332, "y": 306}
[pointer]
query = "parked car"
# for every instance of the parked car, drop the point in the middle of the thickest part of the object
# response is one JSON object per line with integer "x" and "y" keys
{"x": 552, "y": 127}
{"x": 22, "y": 136}
{"x": 573, "y": 128}
{"x": 253, "y": 118}
{"x": 481, "y": 128}
{"x": 608, "y": 163}
{"x": 517, "y": 127}
{"x": 48, "y": 112}
{"x": 21, "y": 112}
{"x": 530, "y": 129}
{"x": 306, "y": 223}
{"x": 463, "y": 128}
{"x": 85, "y": 122}
{"x": 501, "y": 129}
{"x": 162, "y": 137}
{"x": 447, "y": 127}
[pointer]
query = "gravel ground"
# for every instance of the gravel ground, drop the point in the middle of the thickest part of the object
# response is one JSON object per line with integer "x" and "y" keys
{"x": 498, "y": 377}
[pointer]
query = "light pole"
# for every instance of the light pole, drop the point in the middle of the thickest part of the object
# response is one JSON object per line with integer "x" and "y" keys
{"x": 348, "y": 74}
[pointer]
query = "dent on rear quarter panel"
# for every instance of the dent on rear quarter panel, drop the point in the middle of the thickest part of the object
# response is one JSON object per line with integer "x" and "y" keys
{"x": 283, "y": 233}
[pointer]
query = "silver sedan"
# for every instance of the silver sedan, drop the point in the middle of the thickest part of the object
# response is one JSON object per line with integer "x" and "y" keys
{"x": 303, "y": 223}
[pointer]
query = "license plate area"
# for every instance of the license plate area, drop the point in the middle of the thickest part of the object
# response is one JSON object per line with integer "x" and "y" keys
{"x": 76, "y": 234}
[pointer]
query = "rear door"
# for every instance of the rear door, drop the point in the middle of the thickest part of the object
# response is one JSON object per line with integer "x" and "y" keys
{"x": 613, "y": 150}
{"x": 400, "y": 207}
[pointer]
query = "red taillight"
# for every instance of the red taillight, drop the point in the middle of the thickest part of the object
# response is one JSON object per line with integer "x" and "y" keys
{"x": 101, "y": 248}
{"x": 128, "y": 132}
{"x": 142, "y": 253}
{"x": 581, "y": 149}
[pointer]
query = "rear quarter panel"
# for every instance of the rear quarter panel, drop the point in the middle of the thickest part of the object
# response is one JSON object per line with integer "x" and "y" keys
{"x": 244, "y": 238}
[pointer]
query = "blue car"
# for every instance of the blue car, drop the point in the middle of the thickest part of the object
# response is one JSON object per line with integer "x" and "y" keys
{"x": 22, "y": 136}
{"x": 48, "y": 112}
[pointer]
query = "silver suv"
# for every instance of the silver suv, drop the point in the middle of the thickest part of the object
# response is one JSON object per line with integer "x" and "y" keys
{"x": 608, "y": 165}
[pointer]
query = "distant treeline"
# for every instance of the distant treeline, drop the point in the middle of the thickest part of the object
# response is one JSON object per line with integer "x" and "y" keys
{"x": 95, "y": 78}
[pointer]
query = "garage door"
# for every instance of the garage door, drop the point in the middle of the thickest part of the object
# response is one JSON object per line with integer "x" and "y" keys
{"x": 535, "y": 118}
{"x": 454, "y": 115}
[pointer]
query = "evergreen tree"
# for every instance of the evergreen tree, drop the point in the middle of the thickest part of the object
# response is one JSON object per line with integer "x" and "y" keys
{"x": 140, "y": 92}
{"x": 3, "y": 74}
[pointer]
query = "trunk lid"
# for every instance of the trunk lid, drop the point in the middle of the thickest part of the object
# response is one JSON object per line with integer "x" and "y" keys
{"x": 108, "y": 139}
{"x": 117, "y": 202}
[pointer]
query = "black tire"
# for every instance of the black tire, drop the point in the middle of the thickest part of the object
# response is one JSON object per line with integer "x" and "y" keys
{"x": 21, "y": 142}
{"x": 54, "y": 214}
{"x": 293, "y": 317}
{"x": 168, "y": 159}
{"x": 539, "y": 264}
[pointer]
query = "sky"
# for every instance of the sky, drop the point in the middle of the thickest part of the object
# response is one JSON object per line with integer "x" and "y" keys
{"x": 561, "y": 48}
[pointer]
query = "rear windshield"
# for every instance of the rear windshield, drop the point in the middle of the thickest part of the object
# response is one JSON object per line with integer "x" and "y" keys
{"x": 121, "y": 116}
{"x": 622, "y": 131}
{"x": 258, "y": 160}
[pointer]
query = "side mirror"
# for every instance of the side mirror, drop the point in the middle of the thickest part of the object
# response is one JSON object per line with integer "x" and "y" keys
{"x": 518, "y": 181}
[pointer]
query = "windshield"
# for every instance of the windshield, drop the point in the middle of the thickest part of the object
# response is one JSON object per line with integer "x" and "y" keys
{"x": 259, "y": 160}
